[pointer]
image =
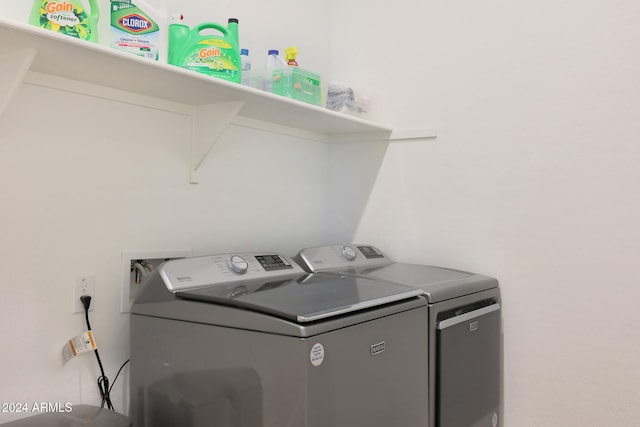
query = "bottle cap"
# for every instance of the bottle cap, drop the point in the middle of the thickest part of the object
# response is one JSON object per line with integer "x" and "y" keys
{"x": 291, "y": 53}
{"x": 273, "y": 52}
{"x": 244, "y": 52}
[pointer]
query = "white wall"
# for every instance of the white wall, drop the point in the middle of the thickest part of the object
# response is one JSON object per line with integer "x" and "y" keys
{"x": 533, "y": 179}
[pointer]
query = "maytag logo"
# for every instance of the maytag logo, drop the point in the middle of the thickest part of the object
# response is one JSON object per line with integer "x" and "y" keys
{"x": 377, "y": 348}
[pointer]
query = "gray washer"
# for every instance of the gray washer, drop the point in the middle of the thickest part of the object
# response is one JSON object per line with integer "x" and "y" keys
{"x": 464, "y": 330}
{"x": 253, "y": 340}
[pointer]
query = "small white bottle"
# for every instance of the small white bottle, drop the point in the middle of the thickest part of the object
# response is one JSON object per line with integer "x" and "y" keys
{"x": 246, "y": 67}
{"x": 274, "y": 61}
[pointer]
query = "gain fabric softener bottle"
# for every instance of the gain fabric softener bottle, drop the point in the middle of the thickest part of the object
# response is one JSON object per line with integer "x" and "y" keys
{"x": 69, "y": 17}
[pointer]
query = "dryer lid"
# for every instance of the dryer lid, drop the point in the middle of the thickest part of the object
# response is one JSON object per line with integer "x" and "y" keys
{"x": 439, "y": 284}
{"x": 305, "y": 298}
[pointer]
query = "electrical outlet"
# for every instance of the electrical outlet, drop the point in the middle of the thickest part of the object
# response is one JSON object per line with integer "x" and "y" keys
{"x": 137, "y": 264}
{"x": 84, "y": 285}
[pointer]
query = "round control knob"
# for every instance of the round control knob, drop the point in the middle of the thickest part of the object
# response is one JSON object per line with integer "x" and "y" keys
{"x": 349, "y": 253}
{"x": 238, "y": 264}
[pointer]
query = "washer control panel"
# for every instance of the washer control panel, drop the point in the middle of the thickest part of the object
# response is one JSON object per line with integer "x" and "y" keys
{"x": 191, "y": 273}
{"x": 341, "y": 256}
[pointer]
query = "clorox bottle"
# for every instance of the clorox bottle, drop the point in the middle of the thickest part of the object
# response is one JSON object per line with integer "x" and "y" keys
{"x": 69, "y": 17}
{"x": 138, "y": 28}
{"x": 198, "y": 50}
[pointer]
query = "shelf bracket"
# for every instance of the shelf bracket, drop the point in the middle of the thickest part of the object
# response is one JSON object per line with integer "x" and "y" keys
{"x": 413, "y": 134}
{"x": 13, "y": 68}
{"x": 208, "y": 123}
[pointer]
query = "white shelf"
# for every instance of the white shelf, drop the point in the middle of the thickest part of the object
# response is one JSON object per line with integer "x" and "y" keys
{"x": 33, "y": 55}
{"x": 70, "y": 58}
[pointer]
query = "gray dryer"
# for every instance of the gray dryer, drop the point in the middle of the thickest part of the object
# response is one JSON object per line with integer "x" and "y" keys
{"x": 253, "y": 340}
{"x": 464, "y": 333}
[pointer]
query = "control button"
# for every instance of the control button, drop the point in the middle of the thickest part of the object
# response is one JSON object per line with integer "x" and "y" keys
{"x": 284, "y": 261}
{"x": 349, "y": 253}
{"x": 238, "y": 264}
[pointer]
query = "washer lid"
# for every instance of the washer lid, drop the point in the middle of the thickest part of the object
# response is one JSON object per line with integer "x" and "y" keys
{"x": 304, "y": 298}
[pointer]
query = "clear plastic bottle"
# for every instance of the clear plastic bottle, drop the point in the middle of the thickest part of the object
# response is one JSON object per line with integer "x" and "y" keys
{"x": 246, "y": 67}
{"x": 274, "y": 61}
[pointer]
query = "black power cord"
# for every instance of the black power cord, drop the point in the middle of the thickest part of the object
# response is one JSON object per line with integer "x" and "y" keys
{"x": 116, "y": 378}
{"x": 103, "y": 381}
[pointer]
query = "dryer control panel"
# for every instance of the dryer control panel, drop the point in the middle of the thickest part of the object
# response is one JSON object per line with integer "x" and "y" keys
{"x": 192, "y": 273}
{"x": 342, "y": 256}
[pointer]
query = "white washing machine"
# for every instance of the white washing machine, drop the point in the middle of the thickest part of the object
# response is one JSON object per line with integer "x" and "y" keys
{"x": 464, "y": 330}
{"x": 252, "y": 340}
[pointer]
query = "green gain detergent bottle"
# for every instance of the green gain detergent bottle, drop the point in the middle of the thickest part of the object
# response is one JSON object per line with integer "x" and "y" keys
{"x": 68, "y": 17}
{"x": 214, "y": 55}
